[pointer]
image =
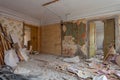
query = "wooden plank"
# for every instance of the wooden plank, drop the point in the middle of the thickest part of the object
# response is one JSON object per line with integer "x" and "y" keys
{"x": 4, "y": 33}
{"x": 1, "y": 56}
{"x": 16, "y": 47}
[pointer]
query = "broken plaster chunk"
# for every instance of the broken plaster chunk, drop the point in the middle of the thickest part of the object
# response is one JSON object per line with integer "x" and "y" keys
{"x": 100, "y": 77}
{"x": 23, "y": 71}
{"x": 84, "y": 73}
{"x": 72, "y": 60}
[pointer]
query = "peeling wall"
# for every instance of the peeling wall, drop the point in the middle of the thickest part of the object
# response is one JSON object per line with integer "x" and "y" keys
{"x": 73, "y": 37}
{"x": 13, "y": 27}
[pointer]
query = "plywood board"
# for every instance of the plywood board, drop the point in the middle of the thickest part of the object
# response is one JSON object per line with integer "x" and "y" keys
{"x": 51, "y": 39}
{"x": 109, "y": 34}
{"x": 92, "y": 39}
{"x": 34, "y": 37}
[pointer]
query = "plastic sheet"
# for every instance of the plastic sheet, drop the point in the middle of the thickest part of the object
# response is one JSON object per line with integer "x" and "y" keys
{"x": 11, "y": 58}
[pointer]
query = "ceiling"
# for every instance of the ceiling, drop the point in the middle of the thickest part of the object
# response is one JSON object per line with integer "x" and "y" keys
{"x": 63, "y": 9}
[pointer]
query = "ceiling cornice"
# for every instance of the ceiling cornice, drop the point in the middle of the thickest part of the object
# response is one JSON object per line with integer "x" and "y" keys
{"x": 18, "y": 16}
{"x": 106, "y": 11}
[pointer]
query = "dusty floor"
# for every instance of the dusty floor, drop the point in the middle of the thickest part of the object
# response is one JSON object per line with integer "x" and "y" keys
{"x": 50, "y": 67}
{"x": 44, "y": 67}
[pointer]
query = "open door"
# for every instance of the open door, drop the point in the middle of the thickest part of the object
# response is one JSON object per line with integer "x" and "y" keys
{"x": 91, "y": 34}
{"x": 109, "y": 34}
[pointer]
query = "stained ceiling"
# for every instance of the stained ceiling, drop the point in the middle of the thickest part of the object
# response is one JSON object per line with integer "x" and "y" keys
{"x": 63, "y": 9}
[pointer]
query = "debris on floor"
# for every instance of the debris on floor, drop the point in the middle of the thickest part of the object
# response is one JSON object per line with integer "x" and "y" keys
{"x": 49, "y": 67}
{"x": 82, "y": 73}
{"x": 72, "y": 60}
{"x": 117, "y": 60}
{"x": 24, "y": 54}
{"x": 6, "y": 73}
{"x": 45, "y": 68}
{"x": 101, "y": 77}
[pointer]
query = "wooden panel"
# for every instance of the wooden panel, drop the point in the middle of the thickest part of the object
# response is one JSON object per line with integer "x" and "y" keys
{"x": 109, "y": 34}
{"x": 51, "y": 39}
{"x": 34, "y": 37}
{"x": 39, "y": 39}
{"x": 92, "y": 39}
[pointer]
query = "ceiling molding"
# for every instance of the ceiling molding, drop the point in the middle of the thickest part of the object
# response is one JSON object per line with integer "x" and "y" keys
{"x": 18, "y": 16}
{"x": 93, "y": 13}
{"x": 107, "y": 11}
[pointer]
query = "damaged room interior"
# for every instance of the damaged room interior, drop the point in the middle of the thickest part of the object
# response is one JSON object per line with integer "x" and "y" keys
{"x": 59, "y": 39}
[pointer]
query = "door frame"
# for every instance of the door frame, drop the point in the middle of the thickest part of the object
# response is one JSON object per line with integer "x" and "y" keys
{"x": 101, "y": 19}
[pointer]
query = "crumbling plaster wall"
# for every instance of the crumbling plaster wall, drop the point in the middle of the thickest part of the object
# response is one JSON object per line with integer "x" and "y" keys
{"x": 17, "y": 28}
{"x": 13, "y": 27}
{"x": 73, "y": 37}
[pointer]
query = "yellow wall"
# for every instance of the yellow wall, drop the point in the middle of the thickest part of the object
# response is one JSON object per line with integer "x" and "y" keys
{"x": 51, "y": 39}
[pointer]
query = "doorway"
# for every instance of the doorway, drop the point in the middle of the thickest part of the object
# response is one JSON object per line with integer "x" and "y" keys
{"x": 99, "y": 36}
{"x": 27, "y": 36}
{"x": 101, "y": 33}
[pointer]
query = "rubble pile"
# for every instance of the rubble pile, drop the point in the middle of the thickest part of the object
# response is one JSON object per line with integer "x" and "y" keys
{"x": 96, "y": 69}
{"x": 57, "y": 69}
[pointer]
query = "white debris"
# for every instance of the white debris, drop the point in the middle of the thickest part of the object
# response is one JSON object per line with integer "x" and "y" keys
{"x": 101, "y": 77}
{"x": 80, "y": 73}
{"x": 22, "y": 71}
{"x": 24, "y": 54}
{"x": 117, "y": 73}
{"x": 118, "y": 60}
{"x": 72, "y": 60}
